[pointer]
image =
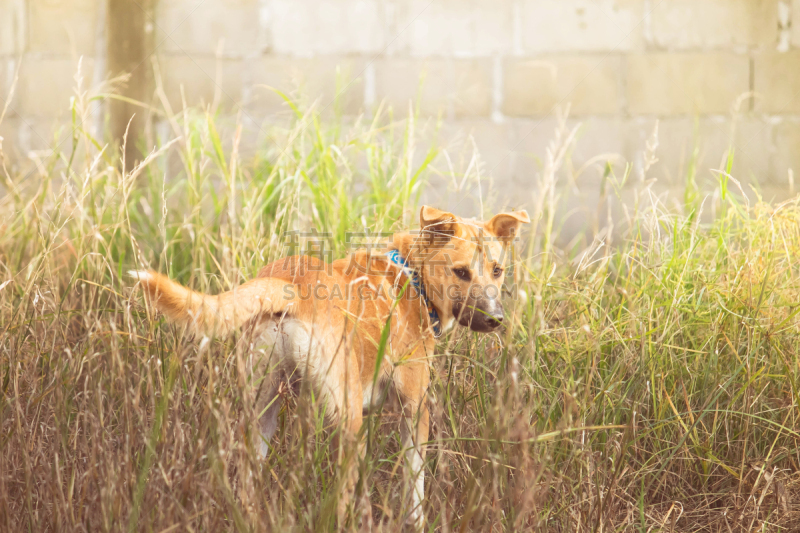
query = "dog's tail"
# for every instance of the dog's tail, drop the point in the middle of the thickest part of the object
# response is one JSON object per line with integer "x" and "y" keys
{"x": 216, "y": 315}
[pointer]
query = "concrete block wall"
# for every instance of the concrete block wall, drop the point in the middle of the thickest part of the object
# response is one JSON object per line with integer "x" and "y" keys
{"x": 715, "y": 73}
{"x": 42, "y": 43}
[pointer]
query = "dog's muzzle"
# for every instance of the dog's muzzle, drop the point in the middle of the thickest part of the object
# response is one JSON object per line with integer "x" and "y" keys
{"x": 483, "y": 315}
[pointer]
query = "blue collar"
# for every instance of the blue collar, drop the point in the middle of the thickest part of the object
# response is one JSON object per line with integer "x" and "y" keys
{"x": 414, "y": 280}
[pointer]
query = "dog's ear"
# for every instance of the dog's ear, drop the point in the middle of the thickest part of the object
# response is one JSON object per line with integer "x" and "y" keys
{"x": 437, "y": 225}
{"x": 505, "y": 226}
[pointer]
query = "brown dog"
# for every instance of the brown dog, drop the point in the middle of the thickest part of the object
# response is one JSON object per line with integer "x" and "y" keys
{"x": 363, "y": 325}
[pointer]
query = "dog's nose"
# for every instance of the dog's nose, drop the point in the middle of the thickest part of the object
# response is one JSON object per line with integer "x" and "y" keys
{"x": 494, "y": 320}
{"x": 485, "y": 316}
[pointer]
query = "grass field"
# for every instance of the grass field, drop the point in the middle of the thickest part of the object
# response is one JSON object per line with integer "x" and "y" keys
{"x": 647, "y": 385}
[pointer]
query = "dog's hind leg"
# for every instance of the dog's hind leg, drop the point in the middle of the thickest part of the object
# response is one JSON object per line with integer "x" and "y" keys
{"x": 268, "y": 407}
{"x": 343, "y": 390}
{"x": 277, "y": 344}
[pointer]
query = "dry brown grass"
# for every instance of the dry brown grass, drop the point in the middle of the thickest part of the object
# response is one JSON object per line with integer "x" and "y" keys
{"x": 649, "y": 387}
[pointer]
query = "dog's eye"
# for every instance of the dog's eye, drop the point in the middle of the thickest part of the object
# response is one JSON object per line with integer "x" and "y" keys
{"x": 497, "y": 272}
{"x": 462, "y": 273}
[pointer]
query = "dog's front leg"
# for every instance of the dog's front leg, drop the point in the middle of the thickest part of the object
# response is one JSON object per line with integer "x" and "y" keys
{"x": 414, "y": 429}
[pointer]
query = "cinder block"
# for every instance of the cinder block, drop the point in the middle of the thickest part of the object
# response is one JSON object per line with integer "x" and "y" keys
{"x": 9, "y": 151}
{"x": 460, "y": 190}
{"x": 775, "y": 194}
{"x": 559, "y": 25}
{"x": 202, "y": 81}
{"x": 795, "y": 24}
{"x": 600, "y": 141}
{"x": 457, "y": 87}
{"x": 591, "y": 84}
{"x": 493, "y": 142}
{"x": 12, "y": 25}
{"x": 787, "y": 154}
{"x": 20, "y": 137}
{"x": 594, "y": 137}
{"x": 451, "y": 28}
{"x": 777, "y": 82}
{"x": 531, "y": 139}
{"x": 6, "y": 79}
{"x": 43, "y": 133}
{"x": 676, "y": 141}
{"x": 701, "y": 146}
{"x": 753, "y": 148}
{"x": 578, "y": 207}
{"x": 46, "y": 85}
{"x": 670, "y": 84}
{"x": 332, "y": 83}
{"x": 327, "y": 27}
{"x": 684, "y": 24}
{"x": 7, "y": 44}
{"x": 201, "y": 27}
{"x": 67, "y": 27}
{"x": 441, "y": 193}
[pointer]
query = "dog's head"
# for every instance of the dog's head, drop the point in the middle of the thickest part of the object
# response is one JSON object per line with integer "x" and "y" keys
{"x": 463, "y": 264}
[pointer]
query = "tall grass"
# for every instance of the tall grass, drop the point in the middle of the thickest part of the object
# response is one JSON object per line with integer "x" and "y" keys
{"x": 651, "y": 385}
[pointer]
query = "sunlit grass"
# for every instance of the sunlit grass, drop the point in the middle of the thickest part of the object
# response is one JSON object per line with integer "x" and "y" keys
{"x": 646, "y": 386}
